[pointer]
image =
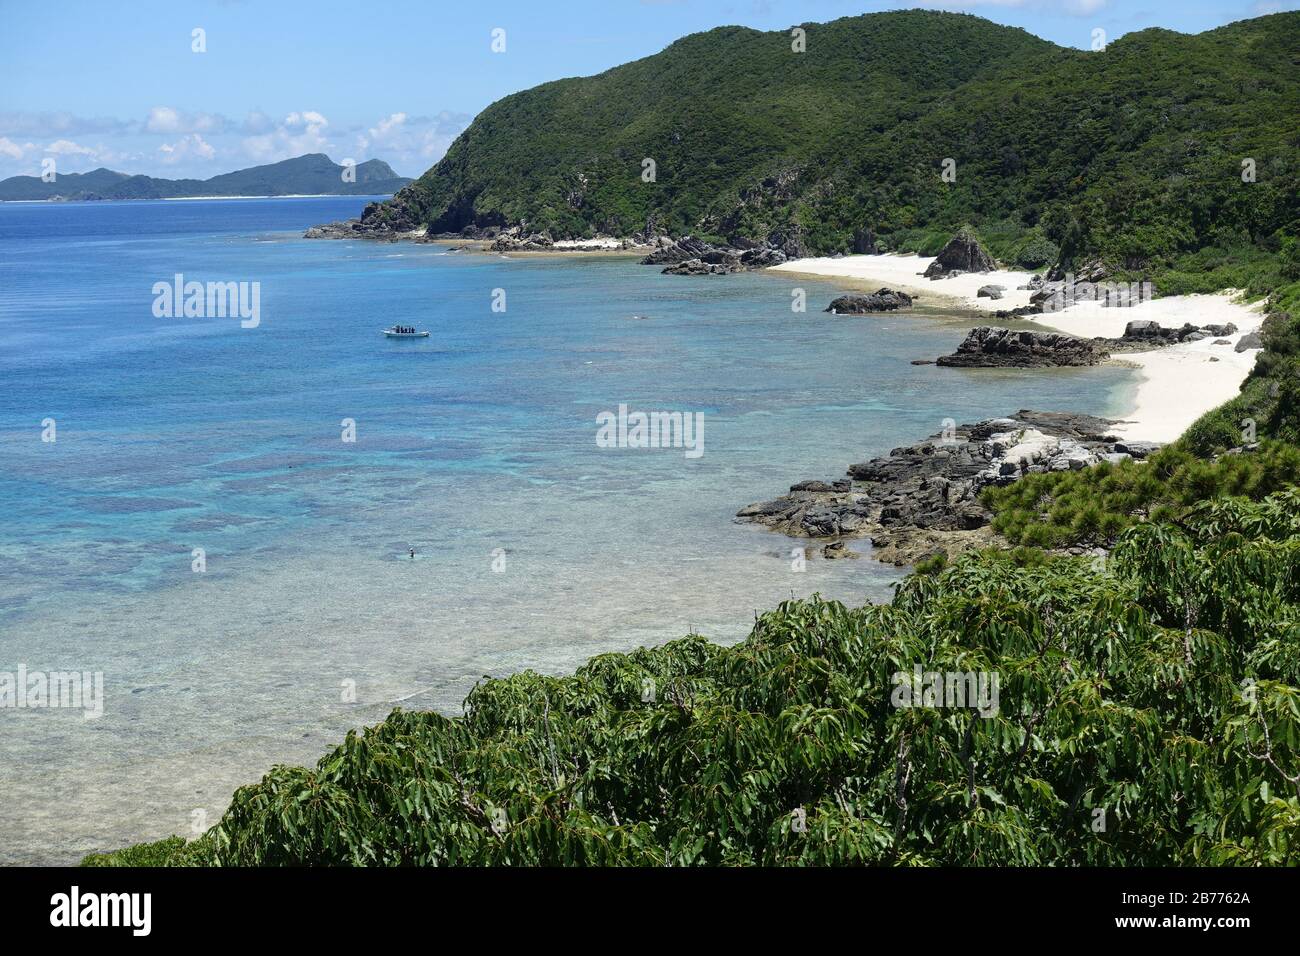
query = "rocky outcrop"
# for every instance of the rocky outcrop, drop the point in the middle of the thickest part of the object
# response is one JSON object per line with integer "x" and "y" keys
{"x": 698, "y": 267}
{"x": 762, "y": 257}
{"x": 673, "y": 251}
{"x": 856, "y": 303}
{"x": 924, "y": 498}
{"x": 1089, "y": 270}
{"x": 963, "y": 253}
{"x": 516, "y": 240}
{"x": 694, "y": 257}
{"x": 384, "y": 221}
{"x": 989, "y": 347}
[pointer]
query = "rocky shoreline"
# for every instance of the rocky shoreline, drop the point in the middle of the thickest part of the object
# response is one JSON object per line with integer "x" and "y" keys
{"x": 992, "y": 347}
{"x": 921, "y": 500}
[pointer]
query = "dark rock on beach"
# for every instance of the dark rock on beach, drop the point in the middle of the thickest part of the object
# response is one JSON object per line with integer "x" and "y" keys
{"x": 924, "y": 498}
{"x": 883, "y": 300}
{"x": 963, "y": 253}
{"x": 989, "y": 347}
{"x": 1149, "y": 332}
{"x": 1251, "y": 340}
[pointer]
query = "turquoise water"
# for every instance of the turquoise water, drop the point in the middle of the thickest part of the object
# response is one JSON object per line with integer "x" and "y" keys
{"x": 474, "y": 446}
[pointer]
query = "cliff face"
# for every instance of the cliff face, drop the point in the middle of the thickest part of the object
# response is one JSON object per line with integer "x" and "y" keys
{"x": 889, "y": 131}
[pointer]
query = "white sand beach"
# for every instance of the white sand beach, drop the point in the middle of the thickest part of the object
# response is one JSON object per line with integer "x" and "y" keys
{"x": 1178, "y": 384}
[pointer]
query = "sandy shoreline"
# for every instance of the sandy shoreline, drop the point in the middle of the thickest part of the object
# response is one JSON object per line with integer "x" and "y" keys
{"x": 1177, "y": 384}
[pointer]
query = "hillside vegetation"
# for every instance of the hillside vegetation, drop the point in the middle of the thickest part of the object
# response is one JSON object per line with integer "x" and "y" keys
{"x": 1133, "y": 154}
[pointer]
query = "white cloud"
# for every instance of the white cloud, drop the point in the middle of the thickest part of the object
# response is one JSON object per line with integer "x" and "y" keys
{"x": 164, "y": 119}
{"x": 305, "y": 120}
{"x": 12, "y": 150}
{"x": 299, "y": 132}
{"x": 411, "y": 143}
{"x": 187, "y": 148}
{"x": 65, "y": 147}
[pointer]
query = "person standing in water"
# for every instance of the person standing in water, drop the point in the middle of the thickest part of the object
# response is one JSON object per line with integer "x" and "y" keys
{"x": 412, "y": 554}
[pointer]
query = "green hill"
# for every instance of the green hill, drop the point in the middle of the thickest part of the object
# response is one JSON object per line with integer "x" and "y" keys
{"x": 1133, "y": 154}
{"x": 310, "y": 174}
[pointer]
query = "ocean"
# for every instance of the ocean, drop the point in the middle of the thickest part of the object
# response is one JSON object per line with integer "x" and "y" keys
{"x": 216, "y": 515}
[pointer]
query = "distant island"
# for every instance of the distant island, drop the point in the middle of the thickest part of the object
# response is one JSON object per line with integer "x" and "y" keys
{"x": 313, "y": 174}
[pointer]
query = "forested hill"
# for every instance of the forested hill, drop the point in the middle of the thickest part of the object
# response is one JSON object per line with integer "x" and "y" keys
{"x": 1134, "y": 153}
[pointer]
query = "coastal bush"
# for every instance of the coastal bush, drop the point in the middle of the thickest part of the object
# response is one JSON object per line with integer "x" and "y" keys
{"x": 1145, "y": 712}
{"x": 1093, "y": 507}
{"x": 1269, "y": 403}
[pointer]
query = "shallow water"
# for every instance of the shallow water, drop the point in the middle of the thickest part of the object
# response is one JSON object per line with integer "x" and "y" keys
{"x": 475, "y": 446}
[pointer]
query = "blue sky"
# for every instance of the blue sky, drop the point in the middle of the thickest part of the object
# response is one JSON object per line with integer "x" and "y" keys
{"x": 106, "y": 83}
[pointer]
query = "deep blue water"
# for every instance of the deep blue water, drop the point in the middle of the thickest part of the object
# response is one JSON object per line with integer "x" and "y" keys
{"x": 180, "y": 433}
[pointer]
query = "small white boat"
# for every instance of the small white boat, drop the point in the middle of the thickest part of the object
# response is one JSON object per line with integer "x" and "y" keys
{"x": 396, "y": 333}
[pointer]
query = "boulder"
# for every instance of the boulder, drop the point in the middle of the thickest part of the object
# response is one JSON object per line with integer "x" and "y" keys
{"x": 1251, "y": 340}
{"x": 883, "y": 300}
{"x": 963, "y": 253}
{"x": 1142, "y": 329}
{"x": 1138, "y": 449}
{"x": 990, "y": 291}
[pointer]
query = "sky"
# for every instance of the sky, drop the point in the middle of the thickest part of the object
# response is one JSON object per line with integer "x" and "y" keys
{"x": 125, "y": 85}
